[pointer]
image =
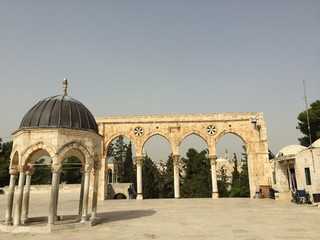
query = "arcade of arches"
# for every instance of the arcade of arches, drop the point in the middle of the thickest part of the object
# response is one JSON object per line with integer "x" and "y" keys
{"x": 89, "y": 146}
{"x": 250, "y": 127}
{"x": 61, "y": 127}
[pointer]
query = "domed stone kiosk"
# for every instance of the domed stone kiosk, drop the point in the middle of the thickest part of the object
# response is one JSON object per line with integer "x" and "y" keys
{"x": 57, "y": 128}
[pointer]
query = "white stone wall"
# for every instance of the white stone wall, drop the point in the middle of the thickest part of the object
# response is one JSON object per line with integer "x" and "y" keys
{"x": 299, "y": 161}
{"x": 306, "y": 159}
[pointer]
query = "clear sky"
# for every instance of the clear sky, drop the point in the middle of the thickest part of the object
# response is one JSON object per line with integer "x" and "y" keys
{"x": 163, "y": 57}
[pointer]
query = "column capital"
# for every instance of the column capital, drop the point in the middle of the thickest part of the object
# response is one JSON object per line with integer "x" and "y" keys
{"x": 30, "y": 171}
{"x": 88, "y": 167}
{"x": 175, "y": 159}
{"x": 13, "y": 171}
{"x": 213, "y": 159}
{"x": 56, "y": 167}
{"x": 139, "y": 159}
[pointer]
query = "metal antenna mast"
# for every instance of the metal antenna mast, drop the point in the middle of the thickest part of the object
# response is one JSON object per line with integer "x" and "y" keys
{"x": 308, "y": 122}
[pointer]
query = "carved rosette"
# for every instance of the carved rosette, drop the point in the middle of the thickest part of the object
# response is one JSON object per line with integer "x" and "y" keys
{"x": 211, "y": 130}
{"x": 138, "y": 131}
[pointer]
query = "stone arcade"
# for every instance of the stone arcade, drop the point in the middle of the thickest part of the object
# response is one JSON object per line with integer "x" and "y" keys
{"x": 250, "y": 127}
{"x": 60, "y": 127}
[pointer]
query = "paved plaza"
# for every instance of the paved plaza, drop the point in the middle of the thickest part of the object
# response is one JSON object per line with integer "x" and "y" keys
{"x": 179, "y": 219}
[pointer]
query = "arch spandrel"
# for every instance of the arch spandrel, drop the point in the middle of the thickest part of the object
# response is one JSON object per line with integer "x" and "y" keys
{"x": 16, "y": 152}
{"x": 15, "y": 158}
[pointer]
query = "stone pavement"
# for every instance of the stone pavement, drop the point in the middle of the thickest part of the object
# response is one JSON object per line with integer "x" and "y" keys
{"x": 179, "y": 219}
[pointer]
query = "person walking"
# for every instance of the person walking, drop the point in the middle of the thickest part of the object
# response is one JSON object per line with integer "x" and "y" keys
{"x": 130, "y": 192}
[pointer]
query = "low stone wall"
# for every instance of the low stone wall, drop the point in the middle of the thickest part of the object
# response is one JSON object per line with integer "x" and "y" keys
{"x": 117, "y": 188}
{"x": 284, "y": 196}
{"x": 47, "y": 188}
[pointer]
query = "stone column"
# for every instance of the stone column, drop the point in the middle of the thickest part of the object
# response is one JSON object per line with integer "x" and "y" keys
{"x": 26, "y": 197}
{"x": 10, "y": 196}
{"x": 57, "y": 198}
{"x": 213, "y": 162}
{"x": 103, "y": 178}
{"x": 54, "y": 193}
{"x": 176, "y": 176}
{"x": 139, "y": 177}
{"x": 81, "y": 194}
{"x": 112, "y": 177}
{"x": 85, "y": 196}
{"x": 95, "y": 194}
{"x": 18, "y": 204}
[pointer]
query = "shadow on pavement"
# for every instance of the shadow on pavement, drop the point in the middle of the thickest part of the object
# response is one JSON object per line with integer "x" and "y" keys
{"x": 122, "y": 215}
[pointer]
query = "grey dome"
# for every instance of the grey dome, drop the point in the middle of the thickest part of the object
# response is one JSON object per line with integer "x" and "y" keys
{"x": 59, "y": 111}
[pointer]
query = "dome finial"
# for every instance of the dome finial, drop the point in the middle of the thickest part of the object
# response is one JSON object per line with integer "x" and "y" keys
{"x": 65, "y": 86}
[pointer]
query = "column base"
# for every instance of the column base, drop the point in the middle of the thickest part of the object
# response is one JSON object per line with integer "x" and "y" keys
{"x": 215, "y": 195}
{"x": 139, "y": 196}
{"x": 8, "y": 222}
{"x": 25, "y": 220}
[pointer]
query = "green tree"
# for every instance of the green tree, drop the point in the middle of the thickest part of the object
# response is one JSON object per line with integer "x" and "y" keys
{"x": 71, "y": 171}
{"x": 244, "y": 181}
{"x": 150, "y": 178}
{"x": 240, "y": 181}
{"x": 314, "y": 120}
{"x": 168, "y": 179}
{"x": 128, "y": 167}
{"x": 5, "y": 151}
{"x": 223, "y": 184}
{"x": 110, "y": 150}
{"x": 197, "y": 180}
{"x": 235, "y": 173}
{"x": 42, "y": 173}
{"x": 118, "y": 150}
{"x": 244, "y": 154}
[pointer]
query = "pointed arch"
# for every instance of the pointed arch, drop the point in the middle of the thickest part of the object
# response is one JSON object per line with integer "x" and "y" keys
{"x": 76, "y": 149}
{"x": 39, "y": 149}
{"x": 196, "y": 133}
{"x": 158, "y": 140}
{"x": 227, "y": 131}
{"x": 114, "y": 137}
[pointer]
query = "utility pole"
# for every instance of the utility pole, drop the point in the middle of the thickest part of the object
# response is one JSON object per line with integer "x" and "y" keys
{"x": 308, "y": 122}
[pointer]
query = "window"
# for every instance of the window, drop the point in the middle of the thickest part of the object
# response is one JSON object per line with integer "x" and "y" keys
{"x": 308, "y": 176}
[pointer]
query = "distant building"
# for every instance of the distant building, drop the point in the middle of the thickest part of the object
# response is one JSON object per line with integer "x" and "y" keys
{"x": 297, "y": 167}
{"x": 226, "y": 165}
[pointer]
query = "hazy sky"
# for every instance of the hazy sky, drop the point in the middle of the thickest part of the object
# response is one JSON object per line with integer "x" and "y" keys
{"x": 163, "y": 57}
